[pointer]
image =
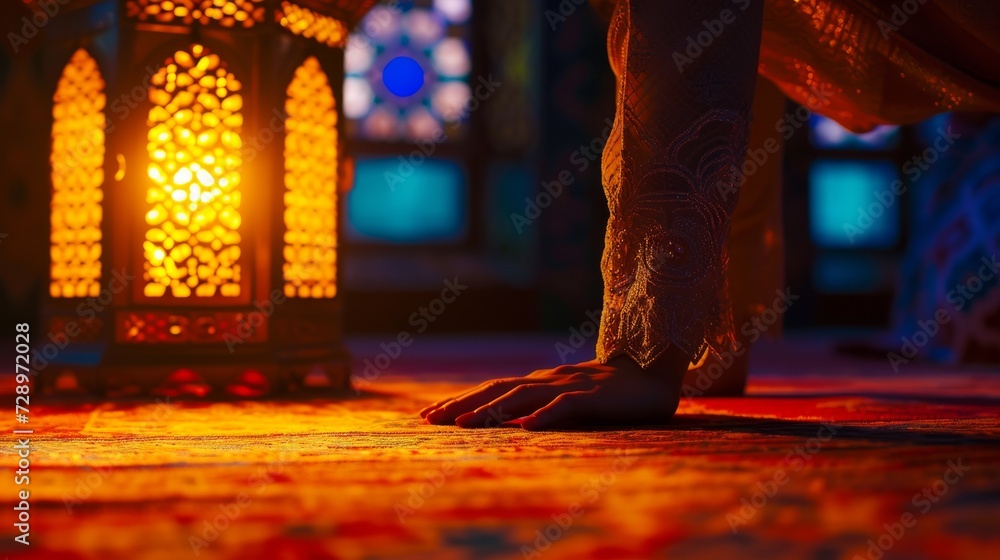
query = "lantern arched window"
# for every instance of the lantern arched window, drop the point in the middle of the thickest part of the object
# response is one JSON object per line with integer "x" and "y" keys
{"x": 192, "y": 244}
{"x": 77, "y": 160}
{"x": 310, "y": 251}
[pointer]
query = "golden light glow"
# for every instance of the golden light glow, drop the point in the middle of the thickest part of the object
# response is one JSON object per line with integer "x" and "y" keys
{"x": 311, "y": 185}
{"x": 192, "y": 246}
{"x": 228, "y": 13}
{"x": 309, "y": 24}
{"x": 77, "y": 176}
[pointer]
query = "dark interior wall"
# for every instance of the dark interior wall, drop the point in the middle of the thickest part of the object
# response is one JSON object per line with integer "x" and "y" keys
{"x": 578, "y": 111}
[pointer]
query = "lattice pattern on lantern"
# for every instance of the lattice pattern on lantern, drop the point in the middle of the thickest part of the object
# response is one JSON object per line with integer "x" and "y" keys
{"x": 192, "y": 245}
{"x": 77, "y": 176}
{"x": 166, "y": 326}
{"x": 228, "y": 13}
{"x": 307, "y": 23}
{"x": 311, "y": 184}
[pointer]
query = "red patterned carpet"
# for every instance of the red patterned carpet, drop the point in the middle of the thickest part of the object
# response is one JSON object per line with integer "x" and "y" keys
{"x": 827, "y": 458}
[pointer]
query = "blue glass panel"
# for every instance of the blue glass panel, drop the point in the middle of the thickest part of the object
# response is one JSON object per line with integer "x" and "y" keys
{"x": 827, "y": 134}
{"x": 403, "y": 76}
{"x": 395, "y": 202}
{"x": 851, "y": 204}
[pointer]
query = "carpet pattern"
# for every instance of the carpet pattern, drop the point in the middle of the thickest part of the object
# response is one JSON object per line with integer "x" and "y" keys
{"x": 824, "y": 459}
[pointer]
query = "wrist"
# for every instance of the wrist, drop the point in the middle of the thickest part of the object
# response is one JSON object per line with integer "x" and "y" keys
{"x": 671, "y": 363}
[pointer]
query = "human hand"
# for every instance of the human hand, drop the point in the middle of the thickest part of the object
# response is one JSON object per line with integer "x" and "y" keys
{"x": 585, "y": 394}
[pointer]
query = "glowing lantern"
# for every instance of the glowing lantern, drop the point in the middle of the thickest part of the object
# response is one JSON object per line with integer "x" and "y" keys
{"x": 196, "y": 179}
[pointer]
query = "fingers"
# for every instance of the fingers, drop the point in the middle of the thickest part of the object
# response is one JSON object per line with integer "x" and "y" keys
{"x": 519, "y": 401}
{"x": 573, "y": 408}
{"x": 448, "y": 412}
{"x": 426, "y": 410}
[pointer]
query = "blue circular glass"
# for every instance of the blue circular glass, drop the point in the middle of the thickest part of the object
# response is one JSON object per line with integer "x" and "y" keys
{"x": 403, "y": 76}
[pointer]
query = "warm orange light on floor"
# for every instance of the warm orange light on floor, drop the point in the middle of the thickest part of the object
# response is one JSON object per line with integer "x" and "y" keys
{"x": 228, "y": 13}
{"x": 311, "y": 185}
{"x": 77, "y": 176}
{"x": 305, "y": 22}
{"x": 192, "y": 246}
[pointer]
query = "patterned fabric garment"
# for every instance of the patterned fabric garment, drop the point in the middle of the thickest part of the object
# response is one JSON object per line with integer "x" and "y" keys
{"x": 686, "y": 75}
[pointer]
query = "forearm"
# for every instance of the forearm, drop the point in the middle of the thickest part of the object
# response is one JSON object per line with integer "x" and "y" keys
{"x": 671, "y": 171}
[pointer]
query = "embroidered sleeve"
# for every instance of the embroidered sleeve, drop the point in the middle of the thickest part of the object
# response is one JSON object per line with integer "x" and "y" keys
{"x": 671, "y": 171}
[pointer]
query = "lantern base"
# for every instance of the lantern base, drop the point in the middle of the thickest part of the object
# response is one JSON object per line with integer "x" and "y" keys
{"x": 138, "y": 371}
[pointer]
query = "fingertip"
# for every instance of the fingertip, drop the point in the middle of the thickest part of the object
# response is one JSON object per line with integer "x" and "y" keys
{"x": 465, "y": 420}
{"x": 436, "y": 417}
{"x": 530, "y": 423}
{"x": 515, "y": 423}
{"x": 434, "y": 406}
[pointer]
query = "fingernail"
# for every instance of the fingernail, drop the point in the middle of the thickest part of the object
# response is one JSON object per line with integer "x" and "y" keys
{"x": 515, "y": 423}
{"x": 465, "y": 420}
{"x": 426, "y": 411}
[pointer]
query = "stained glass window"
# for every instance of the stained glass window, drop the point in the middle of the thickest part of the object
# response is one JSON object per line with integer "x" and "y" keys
{"x": 828, "y": 134}
{"x": 431, "y": 36}
{"x": 192, "y": 244}
{"x": 77, "y": 177}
